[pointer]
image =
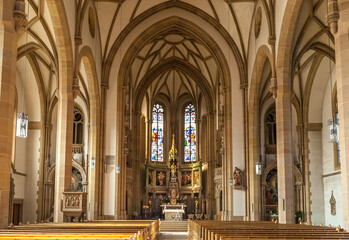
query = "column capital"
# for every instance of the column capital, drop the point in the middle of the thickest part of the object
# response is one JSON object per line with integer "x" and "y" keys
{"x": 76, "y": 88}
{"x": 244, "y": 86}
{"x": 19, "y": 16}
{"x": 272, "y": 40}
{"x": 332, "y": 16}
{"x": 104, "y": 85}
{"x": 274, "y": 87}
{"x": 78, "y": 40}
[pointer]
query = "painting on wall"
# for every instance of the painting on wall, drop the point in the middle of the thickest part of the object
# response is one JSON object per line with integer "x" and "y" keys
{"x": 76, "y": 180}
{"x": 196, "y": 179}
{"x": 160, "y": 178}
{"x": 271, "y": 193}
{"x": 186, "y": 178}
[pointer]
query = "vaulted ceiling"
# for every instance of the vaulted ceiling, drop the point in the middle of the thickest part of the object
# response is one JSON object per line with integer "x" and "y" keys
{"x": 233, "y": 18}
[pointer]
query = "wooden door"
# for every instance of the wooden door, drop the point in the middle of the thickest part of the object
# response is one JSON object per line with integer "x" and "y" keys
{"x": 16, "y": 213}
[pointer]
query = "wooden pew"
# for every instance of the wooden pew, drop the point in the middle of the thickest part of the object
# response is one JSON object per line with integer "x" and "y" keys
{"x": 219, "y": 230}
{"x": 135, "y": 230}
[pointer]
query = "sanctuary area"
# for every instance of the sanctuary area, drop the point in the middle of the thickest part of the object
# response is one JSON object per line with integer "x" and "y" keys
{"x": 218, "y": 118}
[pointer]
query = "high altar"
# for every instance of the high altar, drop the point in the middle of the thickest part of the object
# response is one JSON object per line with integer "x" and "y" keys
{"x": 177, "y": 187}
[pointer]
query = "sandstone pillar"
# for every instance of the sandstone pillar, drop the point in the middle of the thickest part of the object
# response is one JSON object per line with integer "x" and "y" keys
{"x": 8, "y": 58}
{"x": 64, "y": 149}
{"x": 64, "y": 137}
{"x": 342, "y": 75}
{"x": 211, "y": 165}
{"x": 284, "y": 152}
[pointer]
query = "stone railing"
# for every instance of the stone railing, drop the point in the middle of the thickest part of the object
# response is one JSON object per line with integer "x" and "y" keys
{"x": 270, "y": 149}
{"x": 78, "y": 149}
{"x": 74, "y": 205}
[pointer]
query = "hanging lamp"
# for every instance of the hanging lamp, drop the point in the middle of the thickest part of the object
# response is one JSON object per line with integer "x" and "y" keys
{"x": 22, "y": 118}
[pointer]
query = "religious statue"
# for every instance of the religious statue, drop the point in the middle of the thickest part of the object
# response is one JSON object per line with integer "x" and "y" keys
{"x": 333, "y": 204}
{"x": 173, "y": 185}
{"x": 77, "y": 201}
{"x": 173, "y": 170}
{"x": 67, "y": 202}
{"x": 173, "y": 160}
{"x": 237, "y": 177}
{"x": 161, "y": 178}
{"x": 196, "y": 179}
{"x": 196, "y": 205}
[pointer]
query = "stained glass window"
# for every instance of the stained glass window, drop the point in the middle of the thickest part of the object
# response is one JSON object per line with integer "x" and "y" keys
{"x": 157, "y": 145}
{"x": 189, "y": 134}
{"x": 78, "y": 126}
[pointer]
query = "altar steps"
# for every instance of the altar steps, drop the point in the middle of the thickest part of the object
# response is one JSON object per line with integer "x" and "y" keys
{"x": 173, "y": 226}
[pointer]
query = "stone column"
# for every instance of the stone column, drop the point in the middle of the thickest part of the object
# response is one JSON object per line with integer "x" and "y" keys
{"x": 64, "y": 145}
{"x": 136, "y": 163}
{"x": 211, "y": 163}
{"x": 284, "y": 152}
{"x": 341, "y": 33}
{"x": 64, "y": 149}
{"x": 8, "y": 58}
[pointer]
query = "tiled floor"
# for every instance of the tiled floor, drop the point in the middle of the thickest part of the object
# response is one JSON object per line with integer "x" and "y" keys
{"x": 176, "y": 236}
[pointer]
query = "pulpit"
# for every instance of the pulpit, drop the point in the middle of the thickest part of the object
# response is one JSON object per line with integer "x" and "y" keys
{"x": 74, "y": 205}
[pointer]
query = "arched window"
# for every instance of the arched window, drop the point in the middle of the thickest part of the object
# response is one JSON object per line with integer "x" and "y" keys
{"x": 78, "y": 127}
{"x": 189, "y": 134}
{"x": 157, "y": 145}
{"x": 270, "y": 127}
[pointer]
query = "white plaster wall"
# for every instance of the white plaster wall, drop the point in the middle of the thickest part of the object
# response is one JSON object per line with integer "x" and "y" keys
{"x": 328, "y": 154}
{"x": 108, "y": 191}
{"x": 333, "y": 183}
{"x": 110, "y": 119}
{"x": 295, "y": 149}
{"x": 53, "y": 135}
{"x": 19, "y": 186}
{"x": 237, "y": 141}
{"x": 239, "y": 202}
{"x": 316, "y": 183}
{"x": 32, "y": 168}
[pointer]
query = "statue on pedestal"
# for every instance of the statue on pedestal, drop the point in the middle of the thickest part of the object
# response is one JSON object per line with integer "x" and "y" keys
{"x": 237, "y": 177}
{"x": 173, "y": 162}
{"x": 173, "y": 211}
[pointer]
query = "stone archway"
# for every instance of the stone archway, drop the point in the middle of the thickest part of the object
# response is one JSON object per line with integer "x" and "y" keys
{"x": 65, "y": 102}
{"x": 263, "y": 54}
{"x": 49, "y": 189}
{"x": 284, "y": 111}
{"x": 191, "y": 29}
{"x": 95, "y": 178}
{"x": 298, "y": 183}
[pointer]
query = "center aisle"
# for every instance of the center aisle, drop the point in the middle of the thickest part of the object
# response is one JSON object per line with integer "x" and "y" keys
{"x": 177, "y": 235}
{"x": 174, "y": 230}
